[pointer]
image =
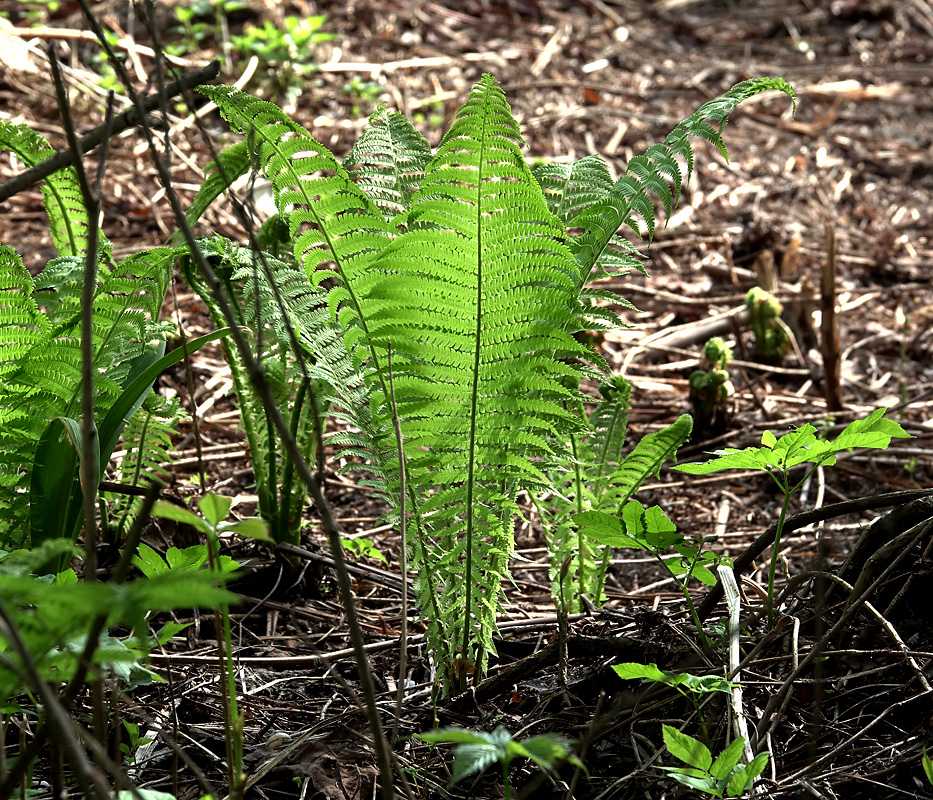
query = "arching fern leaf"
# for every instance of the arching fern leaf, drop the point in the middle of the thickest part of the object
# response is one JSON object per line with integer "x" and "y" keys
{"x": 61, "y": 194}
{"x": 476, "y": 297}
{"x": 586, "y": 202}
{"x": 388, "y": 161}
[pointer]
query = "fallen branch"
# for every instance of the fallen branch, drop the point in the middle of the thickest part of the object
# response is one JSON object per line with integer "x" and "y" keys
{"x": 128, "y": 119}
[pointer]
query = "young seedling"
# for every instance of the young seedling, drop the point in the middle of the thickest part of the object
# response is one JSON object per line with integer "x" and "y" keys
{"x": 649, "y": 529}
{"x": 687, "y": 685}
{"x": 215, "y": 509}
{"x": 476, "y": 750}
{"x": 778, "y": 458}
{"x": 711, "y": 388}
{"x": 724, "y": 777}
{"x": 771, "y": 339}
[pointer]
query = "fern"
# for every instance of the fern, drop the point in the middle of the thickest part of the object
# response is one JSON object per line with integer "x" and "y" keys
{"x": 231, "y": 163}
{"x": 39, "y": 326}
{"x": 587, "y": 202}
{"x": 596, "y": 477}
{"x": 476, "y": 297}
{"x": 148, "y": 444}
{"x": 475, "y": 271}
{"x": 388, "y": 161}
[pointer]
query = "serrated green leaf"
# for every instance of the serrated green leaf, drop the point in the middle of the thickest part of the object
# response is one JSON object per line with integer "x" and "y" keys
{"x": 647, "y": 672}
{"x": 149, "y": 562}
{"x": 697, "y": 780}
{"x": 187, "y": 559}
{"x": 687, "y": 749}
{"x": 605, "y": 529}
{"x": 727, "y": 759}
{"x": 455, "y": 736}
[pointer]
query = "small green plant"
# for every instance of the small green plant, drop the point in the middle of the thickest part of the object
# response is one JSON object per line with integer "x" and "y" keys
{"x": 33, "y": 12}
{"x": 724, "y": 777}
{"x": 287, "y": 55}
{"x": 201, "y": 24}
{"x": 596, "y": 476}
{"x": 431, "y": 114}
{"x": 771, "y": 338}
{"x": 133, "y": 741}
{"x": 927, "y": 766}
{"x": 269, "y": 328}
{"x": 363, "y": 548}
{"x": 649, "y": 529}
{"x": 687, "y": 685}
{"x": 778, "y": 458}
{"x": 476, "y": 750}
{"x": 54, "y": 617}
{"x": 214, "y": 509}
{"x": 711, "y": 387}
{"x": 362, "y": 93}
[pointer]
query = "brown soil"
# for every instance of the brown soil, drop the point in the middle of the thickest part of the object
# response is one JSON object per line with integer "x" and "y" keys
{"x": 607, "y": 76}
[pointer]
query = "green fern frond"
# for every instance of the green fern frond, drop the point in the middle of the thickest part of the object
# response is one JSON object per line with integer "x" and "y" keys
{"x": 22, "y": 328}
{"x": 646, "y": 460}
{"x": 147, "y": 440}
{"x": 572, "y": 192}
{"x": 609, "y": 424}
{"x": 475, "y": 298}
{"x": 61, "y": 193}
{"x": 40, "y": 363}
{"x": 388, "y": 161}
{"x": 657, "y": 172}
{"x": 331, "y": 220}
{"x": 231, "y": 163}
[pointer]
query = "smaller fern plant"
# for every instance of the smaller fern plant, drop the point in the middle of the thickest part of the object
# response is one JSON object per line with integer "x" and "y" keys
{"x": 271, "y": 314}
{"x": 40, "y": 360}
{"x": 476, "y": 272}
{"x": 596, "y": 475}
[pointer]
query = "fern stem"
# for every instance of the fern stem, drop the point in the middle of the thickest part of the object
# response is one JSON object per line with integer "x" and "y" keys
{"x": 581, "y": 541}
{"x": 403, "y": 554}
{"x": 89, "y": 467}
{"x": 284, "y": 532}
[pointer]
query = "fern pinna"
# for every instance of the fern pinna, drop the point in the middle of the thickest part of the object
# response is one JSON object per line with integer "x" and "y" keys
{"x": 462, "y": 264}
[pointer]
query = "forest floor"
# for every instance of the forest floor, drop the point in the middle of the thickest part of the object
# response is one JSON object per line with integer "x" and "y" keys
{"x": 596, "y": 76}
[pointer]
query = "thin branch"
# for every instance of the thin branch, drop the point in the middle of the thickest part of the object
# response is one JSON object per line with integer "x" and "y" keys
{"x": 133, "y": 116}
{"x": 258, "y": 378}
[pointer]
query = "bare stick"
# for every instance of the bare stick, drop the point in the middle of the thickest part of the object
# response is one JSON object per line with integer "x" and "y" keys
{"x": 829, "y": 334}
{"x": 756, "y": 548}
{"x": 258, "y": 378}
{"x": 133, "y": 116}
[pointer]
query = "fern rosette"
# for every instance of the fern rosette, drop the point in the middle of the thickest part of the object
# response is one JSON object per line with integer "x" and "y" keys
{"x": 473, "y": 272}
